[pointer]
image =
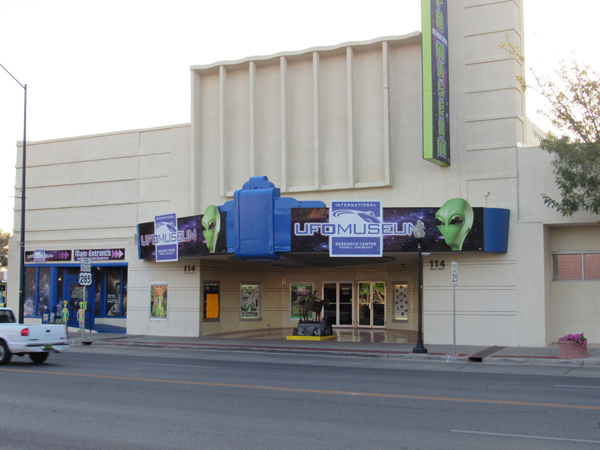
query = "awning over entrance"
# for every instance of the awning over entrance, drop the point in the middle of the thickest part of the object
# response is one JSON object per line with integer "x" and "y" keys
{"x": 259, "y": 224}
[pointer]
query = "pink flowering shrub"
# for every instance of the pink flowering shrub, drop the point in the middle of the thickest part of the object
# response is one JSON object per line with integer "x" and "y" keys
{"x": 579, "y": 339}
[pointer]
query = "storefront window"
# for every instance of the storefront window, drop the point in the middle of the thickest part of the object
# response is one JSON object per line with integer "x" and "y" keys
{"x": 211, "y": 301}
{"x": 576, "y": 266}
{"x": 43, "y": 290}
{"x": 113, "y": 292}
{"x": 30, "y": 285}
{"x": 98, "y": 294}
{"x": 108, "y": 294}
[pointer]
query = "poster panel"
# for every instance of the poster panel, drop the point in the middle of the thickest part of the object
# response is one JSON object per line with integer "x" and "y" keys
{"x": 250, "y": 301}
{"x": 401, "y": 306}
{"x": 159, "y": 300}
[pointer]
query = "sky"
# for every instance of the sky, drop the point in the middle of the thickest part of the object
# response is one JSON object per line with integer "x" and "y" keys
{"x": 102, "y": 66}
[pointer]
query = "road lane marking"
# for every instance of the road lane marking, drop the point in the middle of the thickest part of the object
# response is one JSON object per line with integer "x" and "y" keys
{"x": 547, "y": 438}
{"x": 175, "y": 365}
{"x": 576, "y": 386}
{"x": 308, "y": 391}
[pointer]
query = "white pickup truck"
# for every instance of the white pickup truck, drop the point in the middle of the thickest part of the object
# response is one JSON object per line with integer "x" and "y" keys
{"x": 35, "y": 340}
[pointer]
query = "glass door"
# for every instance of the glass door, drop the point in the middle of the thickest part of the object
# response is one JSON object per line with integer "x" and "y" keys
{"x": 371, "y": 304}
{"x": 338, "y": 303}
{"x": 74, "y": 294}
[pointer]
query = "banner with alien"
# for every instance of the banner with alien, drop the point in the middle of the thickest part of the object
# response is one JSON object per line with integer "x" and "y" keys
{"x": 195, "y": 235}
{"x": 456, "y": 226}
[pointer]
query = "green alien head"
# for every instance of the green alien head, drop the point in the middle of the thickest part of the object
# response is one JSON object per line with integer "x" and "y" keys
{"x": 454, "y": 220}
{"x": 211, "y": 226}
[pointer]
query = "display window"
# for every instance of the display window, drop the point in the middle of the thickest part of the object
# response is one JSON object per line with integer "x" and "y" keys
{"x": 212, "y": 306}
{"x": 49, "y": 287}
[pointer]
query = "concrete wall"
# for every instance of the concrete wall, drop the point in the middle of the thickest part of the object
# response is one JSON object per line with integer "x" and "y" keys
{"x": 92, "y": 191}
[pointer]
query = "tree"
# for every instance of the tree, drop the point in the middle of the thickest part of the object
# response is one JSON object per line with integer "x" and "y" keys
{"x": 574, "y": 110}
{"x": 4, "y": 249}
{"x": 573, "y": 96}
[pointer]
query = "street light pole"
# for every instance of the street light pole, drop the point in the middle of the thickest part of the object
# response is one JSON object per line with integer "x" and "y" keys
{"x": 22, "y": 240}
{"x": 419, "y": 234}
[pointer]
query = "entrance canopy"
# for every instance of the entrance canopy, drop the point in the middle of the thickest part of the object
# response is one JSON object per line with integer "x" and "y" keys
{"x": 259, "y": 224}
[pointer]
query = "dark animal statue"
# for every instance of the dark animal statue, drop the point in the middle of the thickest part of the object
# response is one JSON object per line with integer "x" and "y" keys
{"x": 313, "y": 304}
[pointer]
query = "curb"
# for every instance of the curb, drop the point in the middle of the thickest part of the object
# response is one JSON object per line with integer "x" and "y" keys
{"x": 344, "y": 353}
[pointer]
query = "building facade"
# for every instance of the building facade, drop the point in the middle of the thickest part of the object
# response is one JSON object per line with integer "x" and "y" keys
{"x": 282, "y": 141}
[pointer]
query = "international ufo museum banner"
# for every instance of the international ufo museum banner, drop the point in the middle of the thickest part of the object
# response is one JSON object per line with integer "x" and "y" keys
{"x": 192, "y": 236}
{"x": 454, "y": 227}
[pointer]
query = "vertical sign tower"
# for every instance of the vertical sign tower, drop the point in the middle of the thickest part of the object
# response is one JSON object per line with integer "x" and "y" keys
{"x": 436, "y": 87}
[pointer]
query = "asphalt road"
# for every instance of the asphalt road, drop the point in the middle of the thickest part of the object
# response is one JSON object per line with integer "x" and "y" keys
{"x": 138, "y": 398}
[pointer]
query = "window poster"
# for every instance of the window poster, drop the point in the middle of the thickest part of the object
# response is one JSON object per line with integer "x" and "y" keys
{"x": 113, "y": 292}
{"x": 299, "y": 294}
{"x": 401, "y": 302}
{"x": 158, "y": 300}
{"x": 250, "y": 301}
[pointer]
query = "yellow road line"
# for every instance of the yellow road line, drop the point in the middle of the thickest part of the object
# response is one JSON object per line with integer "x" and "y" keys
{"x": 312, "y": 391}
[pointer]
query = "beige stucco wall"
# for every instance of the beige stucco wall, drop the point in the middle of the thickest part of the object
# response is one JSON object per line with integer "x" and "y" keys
{"x": 92, "y": 191}
{"x": 574, "y": 306}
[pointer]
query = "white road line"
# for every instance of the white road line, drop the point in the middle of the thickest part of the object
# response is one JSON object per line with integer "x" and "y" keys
{"x": 174, "y": 365}
{"x": 526, "y": 437}
{"x": 576, "y": 386}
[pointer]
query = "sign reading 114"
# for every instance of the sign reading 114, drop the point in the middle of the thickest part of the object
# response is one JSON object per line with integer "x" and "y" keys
{"x": 437, "y": 264}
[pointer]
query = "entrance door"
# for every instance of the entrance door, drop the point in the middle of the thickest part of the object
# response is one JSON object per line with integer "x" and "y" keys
{"x": 74, "y": 294}
{"x": 340, "y": 298}
{"x": 371, "y": 304}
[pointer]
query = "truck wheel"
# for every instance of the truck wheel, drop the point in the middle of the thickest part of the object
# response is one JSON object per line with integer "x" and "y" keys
{"x": 39, "y": 358}
{"x": 5, "y": 354}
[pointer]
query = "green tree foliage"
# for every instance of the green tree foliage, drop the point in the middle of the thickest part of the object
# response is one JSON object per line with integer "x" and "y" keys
{"x": 4, "y": 248}
{"x": 573, "y": 96}
{"x": 575, "y": 111}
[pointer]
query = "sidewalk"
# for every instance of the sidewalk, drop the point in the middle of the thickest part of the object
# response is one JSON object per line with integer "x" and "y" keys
{"x": 343, "y": 345}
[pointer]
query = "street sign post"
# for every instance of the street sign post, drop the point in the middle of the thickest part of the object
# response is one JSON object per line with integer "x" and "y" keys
{"x": 454, "y": 283}
{"x": 85, "y": 279}
{"x": 86, "y": 264}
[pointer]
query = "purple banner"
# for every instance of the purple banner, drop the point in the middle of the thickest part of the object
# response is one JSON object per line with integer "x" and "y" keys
{"x": 195, "y": 237}
{"x": 445, "y": 229}
{"x": 107, "y": 254}
{"x": 42, "y": 256}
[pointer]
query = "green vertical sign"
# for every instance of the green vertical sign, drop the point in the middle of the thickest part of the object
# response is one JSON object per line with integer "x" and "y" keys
{"x": 436, "y": 88}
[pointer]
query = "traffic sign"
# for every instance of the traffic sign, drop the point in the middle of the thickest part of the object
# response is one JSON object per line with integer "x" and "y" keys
{"x": 454, "y": 273}
{"x": 85, "y": 279}
{"x": 86, "y": 265}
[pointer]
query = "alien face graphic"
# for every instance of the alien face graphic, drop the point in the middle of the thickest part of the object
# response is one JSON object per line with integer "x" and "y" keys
{"x": 454, "y": 220}
{"x": 211, "y": 226}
